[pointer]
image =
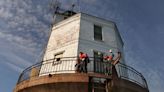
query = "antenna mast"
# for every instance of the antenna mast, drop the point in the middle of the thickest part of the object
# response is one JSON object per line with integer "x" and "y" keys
{"x": 79, "y": 7}
{"x": 54, "y": 7}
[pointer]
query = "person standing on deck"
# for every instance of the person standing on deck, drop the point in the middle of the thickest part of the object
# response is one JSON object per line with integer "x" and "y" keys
{"x": 83, "y": 62}
{"x": 109, "y": 59}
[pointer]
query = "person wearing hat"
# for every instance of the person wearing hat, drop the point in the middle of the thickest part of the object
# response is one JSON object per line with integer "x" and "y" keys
{"x": 110, "y": 56}
{"x": 111, "y": 59}
{"x": 108, "y": 64}
{"x": 111, "y": 62}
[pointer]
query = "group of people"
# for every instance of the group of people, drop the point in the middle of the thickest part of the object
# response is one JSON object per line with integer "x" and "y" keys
{"x": 109, "y": 60}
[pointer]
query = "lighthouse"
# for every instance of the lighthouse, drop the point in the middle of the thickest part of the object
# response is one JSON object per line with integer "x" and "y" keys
{"x": 71, "y": 34}
{"x": 80, "y": 33}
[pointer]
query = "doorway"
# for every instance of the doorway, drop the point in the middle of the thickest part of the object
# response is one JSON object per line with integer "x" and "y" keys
{"x": 98, "y": 62}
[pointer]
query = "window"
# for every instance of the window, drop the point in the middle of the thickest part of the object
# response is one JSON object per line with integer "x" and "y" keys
{"x": 57, "y": 58}
{"x": 65, "y": 17}
{"x": 97, "y": 32}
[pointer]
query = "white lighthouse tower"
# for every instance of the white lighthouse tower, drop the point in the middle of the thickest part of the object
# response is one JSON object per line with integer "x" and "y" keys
{"x": 73, "y": 33}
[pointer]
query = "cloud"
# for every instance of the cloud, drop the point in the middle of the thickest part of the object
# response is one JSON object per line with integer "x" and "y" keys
{"x": 19, "y": 41}
{"x": 16, "y": 60}
{"x": 14, "y": 67}
{"x": 5, "y": 14}
{"x": 13, "y": 54}
{"x": 21, "y": 17}
{"x": 24, "y": 28}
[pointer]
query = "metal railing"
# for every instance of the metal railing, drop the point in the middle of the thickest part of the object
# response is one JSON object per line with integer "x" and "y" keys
{"x": 64, "y": 65}
{"x": 129, "y": 73}
{"x": 68, "y": 65}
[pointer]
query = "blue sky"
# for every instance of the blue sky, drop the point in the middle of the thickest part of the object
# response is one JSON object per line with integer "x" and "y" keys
{"x": 24, "y": 28}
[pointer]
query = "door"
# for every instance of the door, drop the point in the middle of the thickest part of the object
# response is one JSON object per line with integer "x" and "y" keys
{"x": 97, "y": 84}
{"x": 98, "y": 62}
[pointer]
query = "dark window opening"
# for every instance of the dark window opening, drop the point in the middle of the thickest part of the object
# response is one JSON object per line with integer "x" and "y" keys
{"x": 97, "y": 32}
{"x": 65, "y": 17}
{"x": 57, "y": 58}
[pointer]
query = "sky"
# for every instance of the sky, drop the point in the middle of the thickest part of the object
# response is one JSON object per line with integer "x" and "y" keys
{"x": 25, "y": 27}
